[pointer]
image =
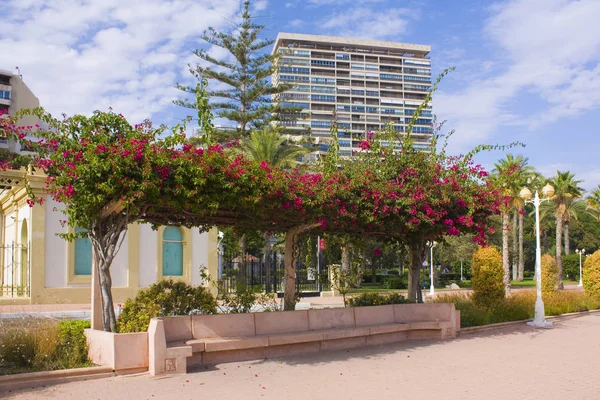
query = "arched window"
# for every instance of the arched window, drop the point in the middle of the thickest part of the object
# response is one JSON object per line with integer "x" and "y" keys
{"x": 83, "y": 254}
{"x": 172, "y": 251}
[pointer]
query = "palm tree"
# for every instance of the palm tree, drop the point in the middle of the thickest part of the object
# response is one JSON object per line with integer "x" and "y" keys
{"x": 516, "y": 173}
{"x": 573, "y": 210}
{"x": 269, "y": 145}
{"x": 593, "y": 203}
{"x": 565, "y": 189}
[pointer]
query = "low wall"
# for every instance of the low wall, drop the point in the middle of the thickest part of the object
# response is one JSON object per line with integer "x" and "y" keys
{"x": 123, "y": 352}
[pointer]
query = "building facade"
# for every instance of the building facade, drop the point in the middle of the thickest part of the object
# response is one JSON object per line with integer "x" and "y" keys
{"x": 39, "y": 267}
{"x": 363, "y": 84}
{"x": 15, "y": 95}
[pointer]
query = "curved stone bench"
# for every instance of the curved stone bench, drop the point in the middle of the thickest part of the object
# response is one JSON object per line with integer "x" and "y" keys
{"x": 176, "y": 342}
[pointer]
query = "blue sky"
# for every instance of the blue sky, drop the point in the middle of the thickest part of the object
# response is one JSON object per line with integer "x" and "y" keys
{"x": 526, "y": 70}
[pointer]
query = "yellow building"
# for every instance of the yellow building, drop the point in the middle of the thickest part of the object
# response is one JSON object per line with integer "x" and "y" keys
{"x": 39, "y": 267}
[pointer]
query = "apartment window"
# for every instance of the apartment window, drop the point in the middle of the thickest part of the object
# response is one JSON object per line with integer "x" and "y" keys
{"x": 416, "y": 79}
{"x": 326, "y": 81}
{"x": 172, "y": 251}
{"x": 320, "y": 124}
{"x": 294, "y": 61}
{"x": 358, "y": 109}
{"x": 340, "y": 56}
{"x": 373, "y": 93}
{"x": 391, "y": 76}
{"x": 419, "y": 129}
{"x": 323, "y": 63}
{"x": 292, "y": 52}
{"x": 357, "y": 66}
{"x": 319, "y": 97}
{"x": 372, "y": 67}
{"x": 416, "y": 62}
{"x": 345, "y": 143}
{"x": 5, "y": 94}
{"x": 292, "y": 78}
{"x": 343, "y": 108}
{"x": 323, "y": 89}
{"x": 417, "y": 71}
{"x": 294, "y": 96}
{"x": 295, "y": 70}
{"x": 416, "y": 87}
{"x": 302, "y": 88}
{"x": 419, "y": 121}
{"x": 373, "y": 110}
{"x": 287, "y": 104}
{"x": 83, "y": 254}
{"x": 345, "y": 125}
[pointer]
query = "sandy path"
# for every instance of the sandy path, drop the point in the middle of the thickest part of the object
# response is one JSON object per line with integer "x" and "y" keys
{"x": 512, "y": 363}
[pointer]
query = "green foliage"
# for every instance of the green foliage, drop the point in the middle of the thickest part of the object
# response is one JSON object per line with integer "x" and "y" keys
{"x": 549, "y": 274}
{"x": 244, "y": 298}
{"x": 591, "y": 274}
{"x": 487, "y": 277}
{"x": 164, "y": 298}
{"x": 396, "y": 282}
{"x": 519, "y": 306}
{"x": 571, "y": 266}
{"x": 267, "y": 144}
{"x": 375, "y": 299}
{"x": 72, "y": 346}
{"x": 246, "y": 100}
{"x": 41, "y": 344}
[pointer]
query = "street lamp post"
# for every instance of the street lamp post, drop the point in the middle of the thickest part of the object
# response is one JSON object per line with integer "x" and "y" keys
{"x": 461, "y": 269}
{"x": 431, "y": 288}
{"x": 539, "y": 319}
{"x": 581, "y": 253}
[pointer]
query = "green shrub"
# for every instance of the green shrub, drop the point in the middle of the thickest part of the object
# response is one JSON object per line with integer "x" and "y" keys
{"x": 591, "y": 274}
{"x": 518, "y": 307}
{"x": 164, "y": 298}
{"x": 570, "y": 266}
{"x": 375, "y": 299}
{"x": 396, "y": 282}
{"x": 487, "y": 277}
{"x": 549, "y": 274}
{"x": 41, "y": 344}
{"x": 72, "y": 349}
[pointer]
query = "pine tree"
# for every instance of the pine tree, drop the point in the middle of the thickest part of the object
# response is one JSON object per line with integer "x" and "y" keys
{"x": 246, "y": 100}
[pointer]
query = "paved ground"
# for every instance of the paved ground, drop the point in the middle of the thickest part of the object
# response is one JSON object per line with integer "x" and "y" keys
{"x": 516, "y": 362}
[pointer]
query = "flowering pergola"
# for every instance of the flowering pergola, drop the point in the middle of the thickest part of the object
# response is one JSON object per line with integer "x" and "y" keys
{"x": 109, "y": 174}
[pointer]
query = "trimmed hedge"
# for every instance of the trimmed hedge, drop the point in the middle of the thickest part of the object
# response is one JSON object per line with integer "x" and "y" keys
{"x": 487, "y": 277}
{"x": 549, "y": 274}
{"x": 591, "y": 274}
{"x": 375, "y": 299}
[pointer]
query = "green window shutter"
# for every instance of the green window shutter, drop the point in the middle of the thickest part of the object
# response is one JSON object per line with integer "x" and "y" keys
{"x": 83, "y": 254}
{"x": 172, "y": 252}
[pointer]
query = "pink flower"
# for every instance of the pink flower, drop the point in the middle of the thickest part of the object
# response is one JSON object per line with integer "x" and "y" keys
{"x": 377, "y": 251}
{"x": 448, "y": 222}
{"x": 364, "y": 145}
{"x": 453, "y": 231}
{"x": 370, "y": 135}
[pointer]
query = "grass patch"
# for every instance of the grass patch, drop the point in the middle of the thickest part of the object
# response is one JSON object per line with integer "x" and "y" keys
{"x": 41, "y": 344}
{"x": 519, "y": 306}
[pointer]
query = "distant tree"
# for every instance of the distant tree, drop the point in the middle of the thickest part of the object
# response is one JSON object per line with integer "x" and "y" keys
{"x": 566, "y": 188}
{"x": 246, "y": 96}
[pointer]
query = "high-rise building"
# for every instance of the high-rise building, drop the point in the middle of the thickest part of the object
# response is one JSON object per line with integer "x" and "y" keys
{"x": 14, "y": 96}
{"x": 366, "y": 84}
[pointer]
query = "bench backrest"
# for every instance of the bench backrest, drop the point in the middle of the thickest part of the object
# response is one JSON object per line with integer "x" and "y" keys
{"x": 375, "y": 315}
{"x": 178, "y": 328}
{"x": 223, "y": 325}
{"x": 330, "y": 318}
{"x": 281, "y": 322}
{"x": 424, "y": 312}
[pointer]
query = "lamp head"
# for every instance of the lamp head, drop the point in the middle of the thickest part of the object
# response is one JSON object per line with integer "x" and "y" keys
{"x": 221, "y": 235}
{"x": 525, "y": 193}
{"x": 548, "y": 191}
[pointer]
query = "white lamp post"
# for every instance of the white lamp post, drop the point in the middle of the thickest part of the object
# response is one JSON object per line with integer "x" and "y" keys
{"x": 431, "y": 246}
{"x": 539, "y": 319}
{"x": 581, "y": 253}
{"x": 461, "y": 269}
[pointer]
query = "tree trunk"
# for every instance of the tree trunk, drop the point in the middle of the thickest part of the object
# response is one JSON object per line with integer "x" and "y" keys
{"x": 414, "y": 272}
{"x": 567, "y": 241}
{"x": 559, "y": 235}
{"x": 109, "y": 318}
{"x": 515, "y": 256}
{"x": 345, "y": 258}
{"x": 267, "y": 262}
{"x": 290, "y": 257}
{"x": 505, "y": 258}
{"x": 521, "y": 257}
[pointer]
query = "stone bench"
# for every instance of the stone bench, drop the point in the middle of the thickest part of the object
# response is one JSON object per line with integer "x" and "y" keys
{"x": 178, "y": 342}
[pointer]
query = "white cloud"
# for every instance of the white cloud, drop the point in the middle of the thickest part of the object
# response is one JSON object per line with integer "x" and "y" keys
{"x": 260, "y": 5}
{"x": 296, "y": 23}
{"x": 367, "y": 23}
{"x": 79, "y": 56}
{"x": 551, "y": 49}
